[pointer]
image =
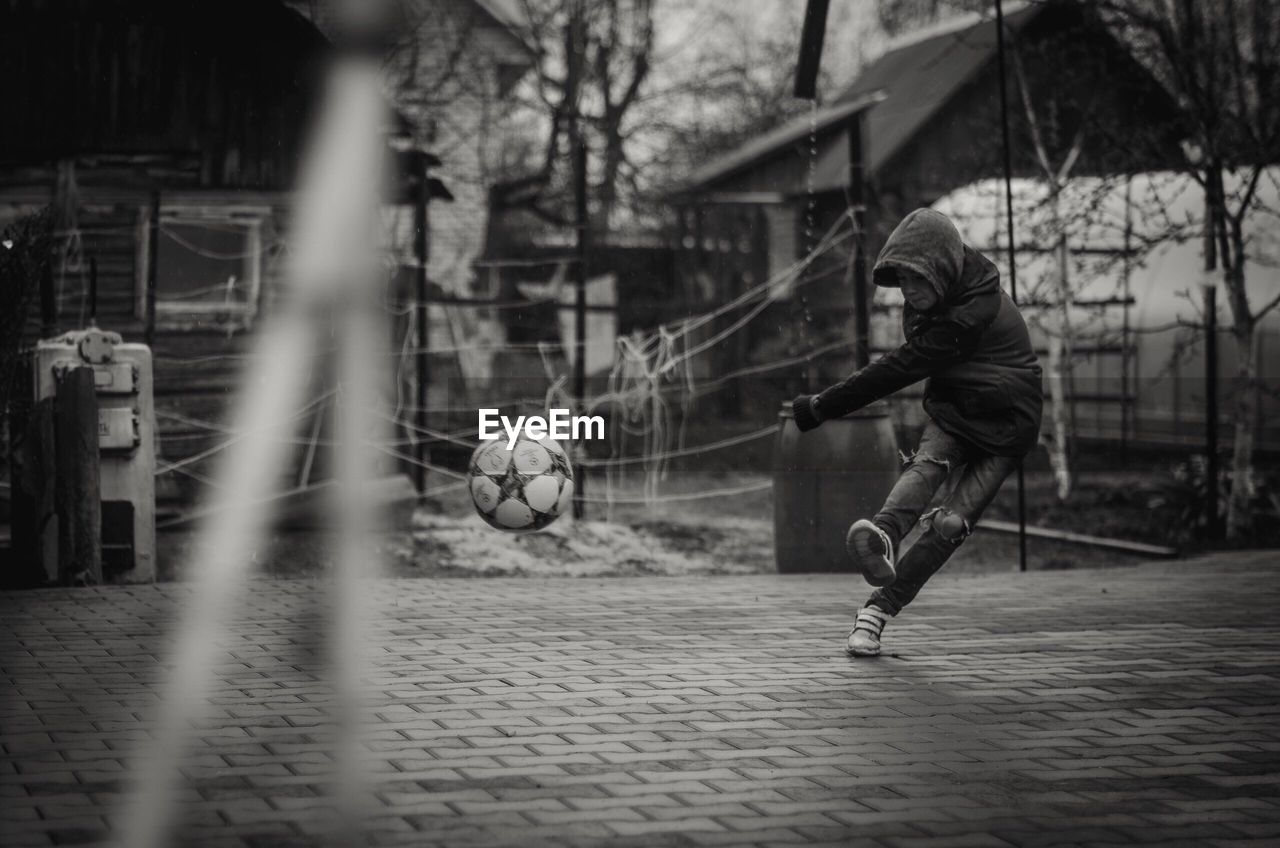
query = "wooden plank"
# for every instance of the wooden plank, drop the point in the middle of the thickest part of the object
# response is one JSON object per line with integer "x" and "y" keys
{"x": 1140, "y": 548}
{"x": 78, "y": 493}
{"x": 182, "y": 346}
{"x": 212, "y": 411}
{"x": 35, "y": 518}
{"x": 199, "y": 381}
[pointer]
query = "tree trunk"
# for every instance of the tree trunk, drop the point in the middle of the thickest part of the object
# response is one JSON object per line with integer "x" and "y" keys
{"x": 1247, "y": 389}
{"x": 607, "y": 190}
{"x": 78, "y": 493}
{"x": 1067, "y": 361}
{"x": 1057, "y": 447}
{"x": 1246, "y": 417}
{"x": 612, "y": 158}
{"x": 1061, "y": 353}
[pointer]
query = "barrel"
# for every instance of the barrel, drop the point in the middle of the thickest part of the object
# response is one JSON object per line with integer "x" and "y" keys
{"x": 826, "y": 479}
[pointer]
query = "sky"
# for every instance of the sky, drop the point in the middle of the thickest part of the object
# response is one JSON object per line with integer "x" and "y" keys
{"x": 698, "y": 41}
{"x": 688, "y": 28}
{"x": 695, "y": 38}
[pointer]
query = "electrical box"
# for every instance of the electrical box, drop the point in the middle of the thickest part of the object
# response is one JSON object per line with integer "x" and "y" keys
{"x": 126, "y": 441}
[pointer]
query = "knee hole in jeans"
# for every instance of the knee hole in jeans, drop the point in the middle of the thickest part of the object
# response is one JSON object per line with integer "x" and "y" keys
{"x": 914, "y": 457}
{"x": 954, "y": 528}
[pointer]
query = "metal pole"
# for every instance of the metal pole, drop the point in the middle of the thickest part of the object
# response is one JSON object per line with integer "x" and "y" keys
{"x": 580, "y": 307}
{"x": 1125, "y": 334}
{"x": 422, "y": 321}
{"x": 93, "y": 291}
{"x": 153, "y": 254}
{"x": 1013, "y": 265}
{"x": 48, "y": 300}
{"x": 1213, "y": 524}
{"x": 811, "y": 38}
{"x": 857, "y": 198}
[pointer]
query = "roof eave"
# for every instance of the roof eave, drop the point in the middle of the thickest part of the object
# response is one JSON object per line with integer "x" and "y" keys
{"x": 834, "y": 115}
{"x": 512, "y": 28}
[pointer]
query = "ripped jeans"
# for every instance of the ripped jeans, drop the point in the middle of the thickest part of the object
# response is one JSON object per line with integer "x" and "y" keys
{"x": 976, "y": 477}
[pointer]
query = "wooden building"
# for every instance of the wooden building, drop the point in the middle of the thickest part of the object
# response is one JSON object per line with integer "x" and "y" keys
{"x": 166, "y": 134}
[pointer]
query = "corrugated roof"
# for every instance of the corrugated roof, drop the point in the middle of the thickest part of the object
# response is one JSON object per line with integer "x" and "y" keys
{"x": 907, "y": 85}
{"x": 921, "y": 73}
{"x": 509, "y": 14}
{"x": 505, "y": 14}
{"x": 504, "y": 11}
{"x": 779, "y": 139}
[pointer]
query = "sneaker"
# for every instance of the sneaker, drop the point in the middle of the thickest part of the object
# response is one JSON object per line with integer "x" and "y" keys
{"x": 864, "y": 638}
{"x": 872, "y": 551}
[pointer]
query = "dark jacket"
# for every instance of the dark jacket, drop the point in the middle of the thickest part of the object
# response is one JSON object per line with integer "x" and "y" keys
{"x": 973, "y": 347}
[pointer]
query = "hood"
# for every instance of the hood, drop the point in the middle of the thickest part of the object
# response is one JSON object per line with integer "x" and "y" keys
{"x": 925, "y": 242}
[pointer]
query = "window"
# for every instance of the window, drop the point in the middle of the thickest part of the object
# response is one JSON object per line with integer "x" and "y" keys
{"x": 209, "y": 264}
{"x": 784, "y": 246}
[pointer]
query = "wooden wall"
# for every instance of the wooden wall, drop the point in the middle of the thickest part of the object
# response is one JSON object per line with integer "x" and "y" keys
{"x": 230, "y": 83}
{"x": 197, "y": 362}
{"x": 109, "y": 100}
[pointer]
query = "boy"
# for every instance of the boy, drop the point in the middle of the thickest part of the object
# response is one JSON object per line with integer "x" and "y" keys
{"x": 983, "y": 400}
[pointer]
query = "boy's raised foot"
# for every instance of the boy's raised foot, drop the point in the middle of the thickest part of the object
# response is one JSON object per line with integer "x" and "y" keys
{"x": 872, "y": 551}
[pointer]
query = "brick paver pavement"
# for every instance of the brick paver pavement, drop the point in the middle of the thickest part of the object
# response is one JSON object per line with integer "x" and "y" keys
{"x": 1105, "y": 707}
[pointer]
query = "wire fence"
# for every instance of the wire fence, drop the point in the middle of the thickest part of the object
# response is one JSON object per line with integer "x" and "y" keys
{"x": 658, "y": 387}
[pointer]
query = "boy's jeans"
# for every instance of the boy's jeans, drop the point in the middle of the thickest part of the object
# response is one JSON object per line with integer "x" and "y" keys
{"x": 976, "y": 477}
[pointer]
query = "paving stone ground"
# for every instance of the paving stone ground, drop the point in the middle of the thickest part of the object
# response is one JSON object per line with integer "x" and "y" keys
{"x": 1135, "y": 705}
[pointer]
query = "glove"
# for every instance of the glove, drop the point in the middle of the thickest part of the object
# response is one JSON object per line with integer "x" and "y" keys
{"x": 806, "y": 413}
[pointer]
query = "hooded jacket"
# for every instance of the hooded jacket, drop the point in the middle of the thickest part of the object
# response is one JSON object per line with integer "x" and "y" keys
{"x": 973, "y": 347}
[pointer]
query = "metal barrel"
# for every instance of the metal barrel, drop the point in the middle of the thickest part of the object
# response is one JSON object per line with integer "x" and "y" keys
{"x": 824, "y": 480}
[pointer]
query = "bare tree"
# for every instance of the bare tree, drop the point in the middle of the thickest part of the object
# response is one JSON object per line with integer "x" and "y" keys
{"x": 736, "y": 86}
{"x": 592, "y": 61}
{"x": 1221, "y": 61}
{"x": 660, "y": 87}
{"x": 1055, "y": 175}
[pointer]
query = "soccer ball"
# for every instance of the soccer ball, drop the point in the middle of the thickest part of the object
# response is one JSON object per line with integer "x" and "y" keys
{"x": 521, "y": 489}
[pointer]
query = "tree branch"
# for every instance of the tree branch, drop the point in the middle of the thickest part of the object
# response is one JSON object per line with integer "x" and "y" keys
{"x": 1037, "y": 140}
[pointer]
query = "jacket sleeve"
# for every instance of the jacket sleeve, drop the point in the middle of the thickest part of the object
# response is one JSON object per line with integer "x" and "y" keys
{"x": 947, "y": 340}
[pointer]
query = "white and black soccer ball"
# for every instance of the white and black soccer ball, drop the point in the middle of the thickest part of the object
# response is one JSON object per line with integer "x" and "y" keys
{"x": 521, "y": 489}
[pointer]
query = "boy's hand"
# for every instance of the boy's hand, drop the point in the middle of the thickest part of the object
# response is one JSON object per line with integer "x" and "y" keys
{"x": 805, "y": 411}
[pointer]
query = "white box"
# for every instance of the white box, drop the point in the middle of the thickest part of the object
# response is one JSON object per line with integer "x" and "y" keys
{"x": 126, "y": 431}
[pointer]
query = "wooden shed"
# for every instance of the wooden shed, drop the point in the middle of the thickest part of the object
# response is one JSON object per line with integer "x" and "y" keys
{"x": 165, "y": 135}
